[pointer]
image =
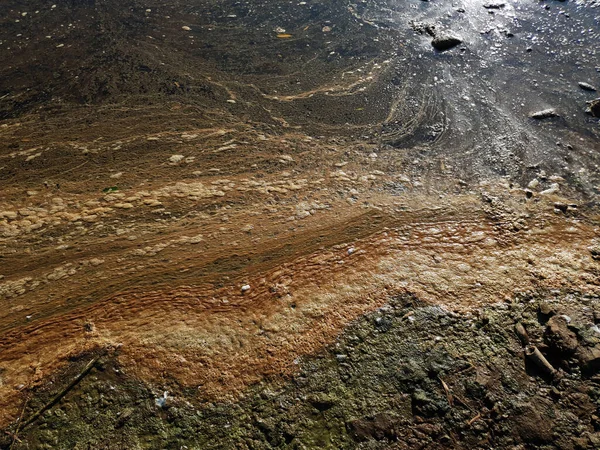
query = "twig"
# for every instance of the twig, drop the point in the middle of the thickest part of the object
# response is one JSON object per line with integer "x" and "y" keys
{"x": 467, "y": 369}
{"x": 448, "y": 393}
{"x": 462, "y": 402}
{"x": 15, "y": 436}
{"x": 407, "y": 315}
{"x": 62, "y": 393}
{"x": 77, "y": 167}
{"x": 470, "y": 422}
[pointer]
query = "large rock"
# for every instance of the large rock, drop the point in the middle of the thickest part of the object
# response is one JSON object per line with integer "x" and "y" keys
{"x": 445, "y": 42}
{"x": 559, "y": 338}
{"x": 530, "y": 425}
{"x": 589, "y": 359}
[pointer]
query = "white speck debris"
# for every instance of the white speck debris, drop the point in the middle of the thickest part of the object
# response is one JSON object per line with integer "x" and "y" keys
{"x": 245, "y": 288}
{"x": 161, "y": 402}
{"x": 553, "y": 189}
{"x": 351, "y": 250}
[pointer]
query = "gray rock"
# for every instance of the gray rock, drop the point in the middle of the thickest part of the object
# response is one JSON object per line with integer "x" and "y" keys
{"x": 445, "y": 42}
{"x": 594, "y": 107}
{"x": 494, "y": 5}
{"x": 544, "y": 114}
{"x": 586, "y": 86}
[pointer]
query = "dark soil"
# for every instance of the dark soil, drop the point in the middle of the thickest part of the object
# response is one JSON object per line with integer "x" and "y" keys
{"x": 407, "y": 376}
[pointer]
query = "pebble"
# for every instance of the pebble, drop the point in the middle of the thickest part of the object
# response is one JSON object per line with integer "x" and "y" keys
{"x": 544, "y": 114}
{"x": 445, "y": 42}
{"x": 586, "y": 86}
{"x": 554, "y": 188}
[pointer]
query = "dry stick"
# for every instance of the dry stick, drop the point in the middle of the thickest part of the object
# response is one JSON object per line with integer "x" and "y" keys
{"x": 448, "y": 393}
{"x": 470, "y": 422}
{"x": 407, "y": 315}
{"x": 467, "y": 369}
{"x": 462, "y": 402}
{"x": 72, "y": 169}
{"x": 15, "y": 436}
{"x": 62, "y": 393}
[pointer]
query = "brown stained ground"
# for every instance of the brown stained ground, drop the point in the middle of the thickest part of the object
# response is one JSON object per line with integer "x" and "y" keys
{"x": 288, "y": 183}
{"x": 180, "y": 316}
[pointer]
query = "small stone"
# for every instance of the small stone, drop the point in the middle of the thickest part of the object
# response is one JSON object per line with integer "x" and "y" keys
{"x": 176, "y": 158}
{"x": 594, "y": 107}
{"x": 586, "y": 86}
{"x": 245, "y": 288}
{"x": 8, "y": 214}
{"x": 186, "y": 28}
{"x": 553, "y": 189}
{"x": 544, "y": 114}
{"x": 595, "y": 252}
{"x": 161, "y": 402}
{"x": 547, "y": 309}
{"x": 123, "y": 205}
{"x": 445, "y": 42}
{"x": 322, "y": 402}
{"x": 562, "y": 207}
{"x": 494, "y": 5}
